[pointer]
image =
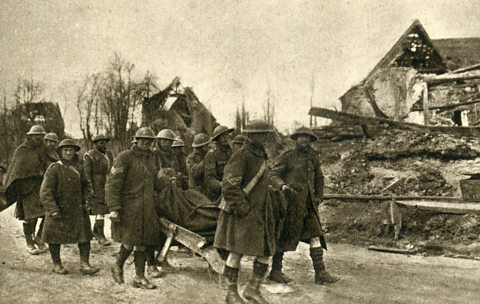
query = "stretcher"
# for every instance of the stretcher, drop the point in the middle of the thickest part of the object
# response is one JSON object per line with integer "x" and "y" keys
{"x": 193, "y": 241}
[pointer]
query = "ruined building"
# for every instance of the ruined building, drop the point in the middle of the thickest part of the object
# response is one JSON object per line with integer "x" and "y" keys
{"x": 422, "y": 80}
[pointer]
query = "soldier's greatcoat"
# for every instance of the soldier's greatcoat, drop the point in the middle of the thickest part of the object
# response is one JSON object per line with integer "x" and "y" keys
{"x": 166, "y": 159}
{"x": 215, "y": 162}
{"x": 246, "y": 224}
{"x": 196, "y": 173}
{"x": 23, "y": 180}
{"x": 65, "y": 190}
{"x": 299, "y": 169}
{"x": 130, "y": 191}
{"x": 97, "y": 166}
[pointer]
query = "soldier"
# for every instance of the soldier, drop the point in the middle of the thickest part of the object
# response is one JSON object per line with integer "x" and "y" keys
{"x": 237, "y": 142}
{"x": 216, "y": 160}
{"x": 65, "y": 193}
{"x": 51, "y": 143}
{"x": 129, "y": 194}
{"x": 163, "y": 150}
{"x": 298, "y": 174}
{"x": 195, "y": 164}
{"x": 22, "y": 185}
{"x": 245, "y": 224}
{"x": 179, "y": 153}
{"x": 98, "y": 162}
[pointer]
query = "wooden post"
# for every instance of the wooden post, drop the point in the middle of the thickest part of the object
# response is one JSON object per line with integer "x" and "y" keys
{"x": 396, "y": 218}
{"x": 426, "y": 114}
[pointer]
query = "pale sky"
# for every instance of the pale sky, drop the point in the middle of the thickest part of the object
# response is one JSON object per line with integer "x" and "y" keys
{"x": 225, "y": 50}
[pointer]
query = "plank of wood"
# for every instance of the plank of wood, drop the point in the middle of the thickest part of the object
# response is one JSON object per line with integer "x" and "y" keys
{"x": 213, "y": 258}
{"x": 450, "y": 77}
{"x": 392, "y": 184}
{"x": 450, "y": 106}
{"x": 360, "y": 197}
{"x": 465, "y": 69}
{"x": 367, "y": 120}
{"x": 392, "y": 250}
{"x": 184, "y": 236}
{"x": 447, "y": 207}
{"x": 426, "y": 105}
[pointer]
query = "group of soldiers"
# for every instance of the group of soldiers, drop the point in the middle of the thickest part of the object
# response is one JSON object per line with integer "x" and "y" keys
{"x": 266, "y": 207}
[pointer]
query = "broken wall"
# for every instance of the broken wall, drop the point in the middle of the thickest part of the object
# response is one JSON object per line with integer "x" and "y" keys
{"x": 389, "y": 93}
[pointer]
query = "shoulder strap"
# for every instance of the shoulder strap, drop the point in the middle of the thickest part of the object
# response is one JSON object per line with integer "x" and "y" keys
{"x": 253, "y": 182}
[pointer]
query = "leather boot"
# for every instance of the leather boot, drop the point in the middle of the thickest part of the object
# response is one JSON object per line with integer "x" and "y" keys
{"x": 38, "y": 238}
{"x": 117, "y": 268}
{"x": 28, "y": 231}
{"x": 85, "y": 267}
{"x": 231, "y": 275}
{"x": 276, "y": 274}
{"x": 140, "y": 281}
{"x": 252, "y": 290}
{"x": 152, "y": 268}
{"x": 321, "y": 275}
{"x": 57, "y": 262}
{"x": 99, "y": 226}
{"x": 166, "y": 266}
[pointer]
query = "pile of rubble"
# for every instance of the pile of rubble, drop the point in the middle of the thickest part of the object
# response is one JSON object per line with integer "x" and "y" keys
{"x": 396, "y": 144}
{"x": 417, "y": 164}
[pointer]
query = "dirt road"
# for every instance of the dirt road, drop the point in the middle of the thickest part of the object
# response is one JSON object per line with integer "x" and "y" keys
{"x": 367, "y": 277}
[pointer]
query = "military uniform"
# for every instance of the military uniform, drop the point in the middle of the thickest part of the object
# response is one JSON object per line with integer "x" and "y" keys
{"x": 65, "y": 194}
{"x": 196, "y": 173}
{"x": 130, "y": 197}
{"x": 97, "y": 166}
{"x": 129, "y": 190}
{"x": 301, "y": 170}
{"x": 22, "y": 185}
{"x": 215, "y": 162}
{"x": 246, "y": 224}
{"x": 298, "y": 173}
{"x": 66, "y": 190}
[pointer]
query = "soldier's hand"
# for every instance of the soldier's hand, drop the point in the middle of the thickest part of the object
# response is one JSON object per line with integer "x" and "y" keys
{"x": 287, "y": 189}
{"x": 318, "y": 201}
{"x": 114, "y": 216}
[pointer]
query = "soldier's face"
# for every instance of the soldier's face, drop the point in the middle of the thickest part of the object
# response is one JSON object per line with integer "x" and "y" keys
{"x": 37, "y": 139}
{"x": 303, "y": 141}
{"x": 68, "y": 153}
{"x": 50, "y": 144}
{"x": 222, "y": 140}
{"x": 101, "y": 145}
{"x": 166, "y": 144}
{"x": 144, "y": 143}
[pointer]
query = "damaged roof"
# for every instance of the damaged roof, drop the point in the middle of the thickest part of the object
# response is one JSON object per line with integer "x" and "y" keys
{"x": 459, "y": 52}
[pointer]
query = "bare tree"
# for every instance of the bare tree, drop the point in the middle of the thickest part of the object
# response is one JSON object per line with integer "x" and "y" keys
{"x": 269, "y": 107}
{"x": 88, "y": 104}
{"x": 28, "y": 90}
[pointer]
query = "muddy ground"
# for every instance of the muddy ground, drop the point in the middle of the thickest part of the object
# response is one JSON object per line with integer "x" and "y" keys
{"x": 366, "y": 277}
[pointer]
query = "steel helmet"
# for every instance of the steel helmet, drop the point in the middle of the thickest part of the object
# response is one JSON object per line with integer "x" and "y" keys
{"x": 68, "y": 143}
{"x": 200, "y": 139}
{"x": 166, "y": 134}
{"x": 178, "y": 142}
{"x": 145, "y": 132}
{"x": 219, "y": 130}
{"x": 51, "y": 137}
{"x": 36, "y": 130}
{"x": 239, "y": 139}
{"x": 100, "y": 137}
{"x": 304, "y": 131}
{"x": 258, "y": 126}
